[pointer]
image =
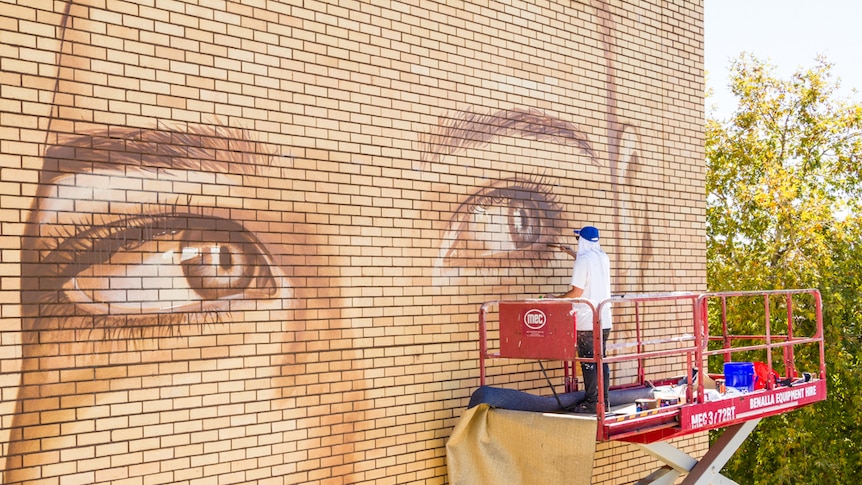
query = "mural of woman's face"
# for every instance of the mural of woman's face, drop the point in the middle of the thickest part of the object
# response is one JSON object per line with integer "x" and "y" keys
{"x": 195, "y": 302}
{"x": 166, "y": 276}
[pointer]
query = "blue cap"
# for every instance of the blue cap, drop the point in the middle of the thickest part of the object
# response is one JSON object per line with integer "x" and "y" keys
{"x": 589, "y": 233}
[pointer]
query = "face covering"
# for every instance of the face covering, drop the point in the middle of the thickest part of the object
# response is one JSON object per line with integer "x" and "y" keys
{"x": 585, "y": 246}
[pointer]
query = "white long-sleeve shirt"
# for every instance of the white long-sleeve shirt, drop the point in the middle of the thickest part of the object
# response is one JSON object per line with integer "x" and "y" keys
{"x": 592, "y": 273}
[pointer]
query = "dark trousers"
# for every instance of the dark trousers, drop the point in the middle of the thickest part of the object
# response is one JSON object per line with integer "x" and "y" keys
{"x": 585, "y": 350}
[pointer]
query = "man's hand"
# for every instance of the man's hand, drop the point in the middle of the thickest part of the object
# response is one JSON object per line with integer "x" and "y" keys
{"x": 568, "y": 250}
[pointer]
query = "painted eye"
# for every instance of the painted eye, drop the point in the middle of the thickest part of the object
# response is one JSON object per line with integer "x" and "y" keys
{"x": 151, "y": 265}
{"x": 512, "y": 220}
{"x": 224, "y": 269}
{"x": 524, "y": 224}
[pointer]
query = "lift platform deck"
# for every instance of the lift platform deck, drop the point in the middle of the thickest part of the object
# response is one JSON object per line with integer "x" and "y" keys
{"x": 693, "y": 332}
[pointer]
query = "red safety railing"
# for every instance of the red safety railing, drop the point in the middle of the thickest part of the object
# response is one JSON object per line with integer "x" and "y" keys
{"x": 660, "y": 331}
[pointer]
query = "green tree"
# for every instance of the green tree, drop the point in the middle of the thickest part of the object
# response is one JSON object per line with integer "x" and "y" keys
{"x": 784, "y": 179}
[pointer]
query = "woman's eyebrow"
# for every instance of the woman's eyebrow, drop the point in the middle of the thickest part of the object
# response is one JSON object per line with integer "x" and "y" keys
{"x": 467, "y": 129}
{"x": 206, "y": 149}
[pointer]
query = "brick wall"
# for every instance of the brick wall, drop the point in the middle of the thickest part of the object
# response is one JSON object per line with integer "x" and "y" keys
{"x": 246, "y": 241}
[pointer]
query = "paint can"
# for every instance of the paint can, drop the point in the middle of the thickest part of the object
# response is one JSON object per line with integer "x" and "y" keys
{"x": 645, "y": 404}
{"x": 720, "y": 386}
{"x": 668, "y": 400}
{"x": 739, "y": 375}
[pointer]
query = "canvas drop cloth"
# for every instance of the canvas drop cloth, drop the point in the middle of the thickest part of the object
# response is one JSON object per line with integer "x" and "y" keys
{"x": 500, "y": 446}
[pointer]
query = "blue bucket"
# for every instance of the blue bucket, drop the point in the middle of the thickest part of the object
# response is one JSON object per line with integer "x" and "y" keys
{"x": 739, "y": 375}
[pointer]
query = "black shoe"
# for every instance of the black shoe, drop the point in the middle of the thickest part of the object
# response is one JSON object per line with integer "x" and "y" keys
{"x": 585, "y": 408}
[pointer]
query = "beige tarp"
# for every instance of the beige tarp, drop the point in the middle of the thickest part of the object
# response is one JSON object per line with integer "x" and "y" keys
{"x": 503, "y": 447}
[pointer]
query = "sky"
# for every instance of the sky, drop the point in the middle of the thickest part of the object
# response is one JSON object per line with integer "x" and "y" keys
{"x": 788, "y": 34}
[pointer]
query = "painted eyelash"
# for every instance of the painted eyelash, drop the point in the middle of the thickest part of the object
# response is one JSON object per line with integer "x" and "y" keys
{"x": 133, "y": 328}
{"x": 77, "y": 239}
{"x": 167, "y": 210}
{"x": 104, "y": 240}
{"x": 514, "y": 187}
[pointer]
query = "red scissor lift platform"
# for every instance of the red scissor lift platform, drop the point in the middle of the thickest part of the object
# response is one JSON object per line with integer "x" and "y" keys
{"x": 791, "y": 324}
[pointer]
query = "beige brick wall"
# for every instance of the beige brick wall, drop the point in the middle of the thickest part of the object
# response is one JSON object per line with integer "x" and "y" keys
{"x": 246, "y": 241}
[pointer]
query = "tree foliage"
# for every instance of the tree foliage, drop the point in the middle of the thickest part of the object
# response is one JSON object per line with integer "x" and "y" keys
{"x": 784, "y": 179}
